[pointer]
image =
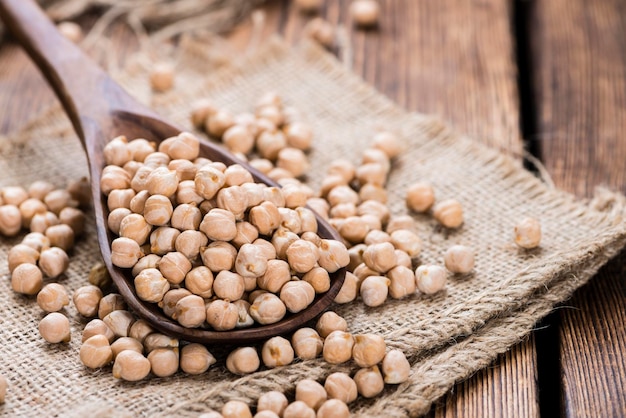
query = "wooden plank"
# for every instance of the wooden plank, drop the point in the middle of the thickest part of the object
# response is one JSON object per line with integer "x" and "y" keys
{"x": 580, "y": 91}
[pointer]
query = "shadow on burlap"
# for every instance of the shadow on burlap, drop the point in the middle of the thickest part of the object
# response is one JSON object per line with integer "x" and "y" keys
{"x": 447, "y": 337}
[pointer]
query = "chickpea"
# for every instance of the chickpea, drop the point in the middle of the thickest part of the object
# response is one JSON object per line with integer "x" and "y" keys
{"x": 120, "y": 198}
{"x": 368, "y": 349}
{"x": 243, "y": 360}
{"x": 430, "y": 279}
{"x": 378, "y": 210}
{"x": 109, "y": 303}
{"x": 125, "y": 252}
{"x": 420, "y": 197}
{"x": 267, "y": 309}
{"x": 528, "y": 233}
{"x": 407, "y": 241}
{"x": 20, "y": 254}
{"x": 275, "y": 276}
{"x": 156, "y": 340}
{"x": 174, "y": 266}
{"x": 273, "y": 401}
{"x": 449, "y": 213}
{"x": 61, "y": 236}
{"x": 52, "y": 297}
{"x": 186, "y": 193}
{"x": 282, "y": 240}
{"x": 365, "y": 12}
{"x": 162, "y": 77}
{"x": 372, "y": 173}
{"x": 318, "y": 278}
{"x": 163, "y": 362}
{"x": 74, "y": 218}
{"x": 39, "y": 189}
{"x": 307, "y": 343}
{"x": 96, "y": 352}
{"x": 140, "y": 148}
{"x": 400, "y": 222}
{"x": 199, "y": 281}
{"x": 250, "y": 261}
{"x": 190, "y": 311}
{"x": 340, "y": 386}
{"x": 277, "y": 351}
{"x": 219, "y": 225}
{"x": 119, "y": 321}
{"x": 114, "y": 220}
{"x": 354, "y": 229}
{"x": 338, "y": 347}
{"x": 374, "y": 192}
{"x": 228, "y": 285}
{"x": 131, "y": 366}
{"x": 185, "y": 170}
{"x": 369, "y": 382}
{"x": 311, "y": 393}
{"x": 401, "y": 282}
{"x": 13, "y": 195}
{"x": 10, "y": 220}
{"x": 267, "y": 248}
{"x": 27, "y": 279}
{"x": 86, "y": 300}
{"x": 362, "y": 272}
{"x": 209, "y": 180}
{"x": 219, "y": 256}
{"x": 320, "y": 31}
{"x": 396, "y": 367}
{"x": 349, "y": 290}
{"x": 236, "y": 409}
{"x": 150, "y": 285}
{"x": 374, "y": 290}
{"x": 195, "y": 359}
{"x": 380, "y": 257}
{"x": 222, "y": 315}
{"x": 163, "y": 240}
{"x": 297, "y": 295}
{"x": 139, "y": 181}
{"x": 171, "y": 298}
{"x": 113, "y": 177}
{"x": 217, "y": 123}
{"x": 376, "y": 237}
{"x": 56, "y": 200}
{"x": 328, "y": 322}
{"x": 201, "y": 109}
{"x": 459, "y": 259}
{"x": 135, "y": 227}
{"x": 246, "y": 234}
{"x": 299, "y": 409}
{"x": 333, "y": 408}
{"x": 126, "y": 343}
{"x": 244, "y": 319}
{"x": 97, "y": 327}
{"x": 158, "y": 210}
{"x": 36, "y": 241}
{"x": 55, "y": 328}
{"x": 139, "y": 330}
{"x": 238, "y": 138}
{"x": 265, "y": 217}
{"x": 302, "y": 255}
{"x": 403, "y": 259}
{"x": 333, "y": 255}
{"x": 41, "y": 221}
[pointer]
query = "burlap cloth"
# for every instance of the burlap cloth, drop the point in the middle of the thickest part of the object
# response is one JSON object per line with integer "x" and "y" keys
{"x": 446, "y": 337}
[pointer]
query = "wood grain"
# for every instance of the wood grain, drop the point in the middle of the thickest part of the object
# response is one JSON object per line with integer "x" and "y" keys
{"x": 580, "y": 89}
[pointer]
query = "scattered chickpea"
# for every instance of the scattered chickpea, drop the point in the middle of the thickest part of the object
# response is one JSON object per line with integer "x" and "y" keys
{"x": 74, "y": 218}
{"x": 368, "y": 349}
{"x": 96, "y": 352}
{"x": 338, "y": 347}
{"x": 157, "y": 340}
{"x": 55, "y": 328}
{"x": 131, "y": 366}
{"x": 420, "y": 197}
{"x": 277, "y": 351}
{"x": 322, "y": 32}
{"x": 407, "y": 241}
{"x": 448, "y": 213}
{"x": 27, "y": 279}
{"x": 365, "y": 12}
{"x": 119, "y": 321}
{"x": 328, "y": 322}
{"x": 53, "y": 262}
{"x": 341, "y": 386}
{"x": 380, "y": 257}
{"x": 299, "y": 409}
{"x": 297, "y": 295}
{"x": 36, "y": 241}
{"x": 222, "y": 315}
{"x": 302, "y": 255}
{"x": 42, "y": 221}
{"x": 459, "y": 259}
{"x": 139, "y": 330}
{"x": 238, "y": 138}
{"x": 109, "y": 303}
{"x": 195, "y": 359}
{"x": 39, "y": 189}
{"x": 20, "y": 254}
{"x": 236, "y": 409}
{"x": 162, "y": 77}
{"x": 58, "y": 199}
{"x": 349, "y": 289}
{"x": 97, "y": 327}
{"x": 369, "y": 381}
{"x": 125, "y": 252}
{"x": 10, "y": 220}
{"x": 217, "y": 123}
{"x": 115, "y": 218}
{"x": 272, "y": 401}
{"x": 163, "y": 362}
{"x": 99, "y": 276}
{"x": 318, "y": 278}
{"x": 13, "y": 195}
{"x": 307, "y": 343}
{"x": 125, "y": 343}
{"x": 243, "y": 360}
{"x": 374, "y": 290}
{"x": 401, "y": 282}
{"x": 333, "y": 408}
{"x": 52, "y": 297}
{"x": 86, "y": 300}
{"x": 430, "y": 279}
{"x": 396, "y": 367}
{"x": 528, "y": 233}
{"x": 150, "y": 285}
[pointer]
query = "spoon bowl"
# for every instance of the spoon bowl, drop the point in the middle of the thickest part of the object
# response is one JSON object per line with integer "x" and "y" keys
{"x": 101, "y": 110}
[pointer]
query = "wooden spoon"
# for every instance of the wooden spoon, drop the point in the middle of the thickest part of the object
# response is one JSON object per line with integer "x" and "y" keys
{"x": 101, "y": 110}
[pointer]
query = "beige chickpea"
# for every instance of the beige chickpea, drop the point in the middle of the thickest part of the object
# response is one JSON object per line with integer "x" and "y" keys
{"x": 255, "y": 193}
{"x": 282, "y": 240}
{"x": 311, "y": 393}
{"x": 338, "y": 347}
{"x": 250, "y": 261}
{"x": 195, "y": 359}
{"x": 186, "y": 193}
{"x": 329, "y": 322}
{"x": 186, "y": 217}
{"x": 243, "y": 360}
{"x": 126, "y": 343}
{"x": 9, "y": 217}
{"x": 374, "y": 208}
{"x": 333, "y": 408}
{"x": 356, "y": 255}
{"x": 299, "y": 409}
{"x": 430, "y": 279}
{"x": 162, "y": 77}
{"x": 174, "y": 266}
{"x": 146, "y": 262}
{"x": 237, "y": 175}
{"x": 267, "y": 248}
{"x": 459, "y": 259}
{"x": 262, "y": 164}
{"x": 163, "y": 362}
{"x": 389, "y": 143}
{"x": 233, "y": 199}
{"x": 135, "y": 227}
{"x": 58, "y": 199}
{"x": 199, "y": 281}
{"x": 139, "y": 330}
{"x": 114, "y": 220}
{"x": 297, "y": 295}
{"x": 201, "y": 109}
{"x": 318, "y": 278}
{"x": 420, "y": 197}
{"x": 374, "y": 192}
{"x": 401, "y": 282}
{"x": 238, "y": 138}
{"x": 131, "y": 366}
{"x": 274, "y": 195}
{"x": 372, "y": 173}
{"x": 185, "y": 170}
{"x": 340, "y": 386}
{"x": 13, "y": 195}
{"x": 374, "y": 290}
{"x": 365, "y": 12}
{"x": 217, "y": 123}
{"x": 312, "y": 237}
{"x": 96, "y": 352}
{"x": 39, "y": 189}
{"x": 375, "y": 156}
{"x": 528, "y": 233}
{"x": 448, "y": 213}
{"x": 74, "y": 218}
{"x": 109, "y": 303}
{"x": 10, "y": 220}
{"x": 380, "y": 257}
{"x": 342, "y": 194}
{"x": 333, "y": 255}
{"x": 376, "y": 236}
{"x": 219, "y": 255}
{"x": 293, "y": 160}
{"x": 267, "y": 309}
{"x": 97, "y": 327}
{"x": 120, "y": 198}
{"x": 42, "y": 221}
{"x": 190, "y": 242}
{"x": 99, "y": 276}
{"x": 403, "y": 259}
{"x": 277, "y": 351}
{"x": 222, "y": 315}
{"x": 140, "y": 148}
{"x": 362, "y": 272}
{"x": 55, "y": 328}
{"x": 150, "y": 285}
{"x": 321, "y": 31}
{"x": 265, "y": 217}
{"x": 61, "y": 236}
{"x": 275, "y": 276}
{"x": 246, "y": 234}
{"x": 209, "y": 180}
{"x": 119, "y": 321}
{"x": 139, "y": 181}
{"x": 342, "y": 167}
{"x": 163, "y": 240}
{"x": 299, "y": 135}
{"x": 354, "y": 229}
{"x": 36, "y": 241}
{"x": 349, "y": 289}
{"x": 81, "y": 191}
{"x": 170, "y": 299}
{"x": 157, "y": 340}
{"x": 21, "y": 253}
{"x": 87, "y": 299}
{"x": 185, "y": 146}
{"x": 307, "y": 343}
{"x": 290, "y": 220}
{"x": 162, "y": 181}
{"x": 368, "y": 349}
{"x": 372, "y": 222}
{"x": 125, "y": 252}
{"x": 27, "y": 279}
{"x": 228, "y": 285}
{"x": 219, "y": 225}
{"x": 331, "y": 182}
{"x": 269, "y": 144}
{"x": 190, "y": 311}
{"x": 158, "y": 210}
{"x": 407, "y": 241}
{"x": 369, "y": 381}
{"x": 113, "y": 177}
{"x": 396, "y": 367}
{"x": 53, "y": 297}
{"x": 302, "y": 255}
{"x": 244, "y": 319}
{"x": 236, "y": 409}
{"x": 272, "y": 401}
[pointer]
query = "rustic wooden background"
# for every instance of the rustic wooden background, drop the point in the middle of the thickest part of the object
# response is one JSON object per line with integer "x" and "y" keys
{"x": 543, "y": 76}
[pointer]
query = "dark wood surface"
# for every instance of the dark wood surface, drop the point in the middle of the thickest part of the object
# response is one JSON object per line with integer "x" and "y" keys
{"x": 461, "y": 61}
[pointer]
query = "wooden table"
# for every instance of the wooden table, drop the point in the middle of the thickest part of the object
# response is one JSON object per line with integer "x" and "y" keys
{"x": 545, "y": 76}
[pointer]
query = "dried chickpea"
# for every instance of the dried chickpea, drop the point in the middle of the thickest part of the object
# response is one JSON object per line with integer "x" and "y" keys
{"x": 109, "y": 303}
{"x": 380, "y": 257}
{"x": 55, "y": 328}
{"x": 113, "y": 177}
{"x": 297, "y": 295}
{"x": 139, "y": 181}
{"x": 376, "y": 236}
{"x": 9, "y": 217}
{"x": 420, "y": 197}
{"x": 174, "y": 266}
{"x": 86, "y": 300}
{"x": 126, "y": 343}
{"x": 52, "y": 297}
{"x": 158, "y": 210}
{"x": 150, "y": 285}
{"x": 448, "y": 213}
{"x": 95, "y": 352}
{"x": 299, "y": 409}
{"x": 13, "y": 195}
{"x": 403, "y": 259}
{"x": 219, "y": 225}
{"x": 238, "y": 138}
{"x": 135, "y": 227}
{"x": 374, "y": 192}
{"x": 244, "y": 319}
{"x": 119, "y": 321}
{"x": 20, "y": 254}
{"x": 389, "y": 143}
{"x": 277, "y": 351}
{"x": 311, "y": 393}
{"x": 369, "y": 381}
{"x": 162, "y": 77}
{"x": 27, "y": 279}
{"x": 81, "y": 191}
{"x": 318, "y": 278}
{"x": 139, "y": 330}
{"x": 459, "y": 259}
{"x": 56, "y": 200}
{"x": 195, "y": 359}
{"x": 171, "y": 298}
{"x": 97, "y": 327}
{"x": 302, "y": 255}
{"x": 365, "y": 12}
{"x": 396, "y": 367}
{"x": 528, "y": 233}
{"x": 275, "y": 276}
{"x": 10, "y": 220}
{"x": 114, "y": 220}
{"x": 236, "y": 409}
{"x": 217, "y": 123}
{"x": 267, "y": 309}
{"x": 190, "y": 311}
{"x": 200, "y": 110}
{"x": 157, "y": 340}
{"x": 219, "y": 256}
{"x": 266, "y": 247}
{"x": 333, "y": 408}
{"x": 349, "y": 289}
{"x": 430, "y": 279}
{"x": 185, "y": 169}
{"x": 41, "y": 222}
{"x": 74, "y": 218}
{"x": 354, "y": 229}
{"x": 189, "y": 243}
{"x": 333, "y": 255}
{"x": 329, "y": 322}
{"x": 228, "y": 285}
{"x": 338, "y": 347}
{"x": 145, "y": 262}
{"x": 243, "y": 360}
{"x": 163, "y": 240}
{"x": 407, "y": 241}
{"x": 222, "y": 315}
{"x": 131, "y": 366}
{"x": 250, "y": 261}
{"x": 120, "y": 198}
{"x": 163, "y": 362}
{"x": 307, "y": 343}
{"x": 125, "y": 252}
{"x": 265, "y": 217}
{"x": 199, "y": 281}
{"x": 372, "y": 173}
{"x": 39, "y": 189}
{"x": 368, "y": 349}
{"x": 401, "y": 282}
{"x": 281, "y": 240}
{"x": 343, "y": 210}
{"x": 36, "y": 241}
{"x": 186, "y": 193}
{"x": 340, "y": 386}
{"x": 374, "y": 290}
{"x": 362, "y": 272}
{"x": 246, "y": 234}
{"x": 61, "y": 236}
{"x": 140, "y": 148}
{"x": 293, "y": 160}
{"x": 272, "y": 401}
